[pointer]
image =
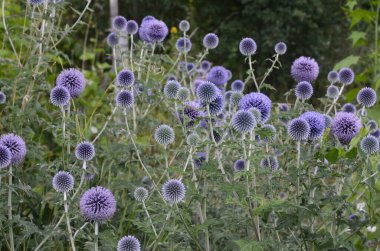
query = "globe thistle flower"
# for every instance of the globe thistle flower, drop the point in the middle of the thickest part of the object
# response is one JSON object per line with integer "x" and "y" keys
{"x": 172, "y": 78}
{"x": 345, "y": 126}
{"x": 298, "y": 129}
{"x": 173, "y": 191}
{"x": 5, "y": 157}
{"x": 216, "y": 135}
{"x": 348, "y": 107}
{"x": 210, "y": 41}
{"x": 372, "y": 124}
{"x": 346, "y": 76}
{"x": 164, "y": 135}
{"x": 207, "y": 92}
{"x": 304, "y": 69}
{"x": 184, "y": 26}
{"x": 235, "y": 98}
{"x": 15, "y": 145}
{"x": 217, "y": 75}
{"x": 128, "y": 243}
{"x": 247, "y": 46}
{"x": 190, "y": 67}
{"x": 155, "y": 30}
{"x": 73, "y": 80}
{"x": 376, "y": 133}
{"x": 60, "y": 96}
{"x": 183, "y": 45}
{"x": 125, "y": 78}
{"x": 239, "y": 165}
{"x": 124, "y": 99}
{"x": 369, "y": 144}
{"x": 243, "y": 122}
{"x": 141, "y": 194}
{"x": 366, "y": 97}
{"x": 283, "y": 107}
{"x": 35, "y": 2}
{"x": 112, "y": 39}
{"x": 216, "y": 106}
{"x": 193, "y": 139}
{"x": 259, "y": 101}
{"x": 97, "y": 204}
{"x": 183, "y": 94}
{"x": 269, "y": 162}
{"x": 280, "y": 48}
{"x": 333, "y": 77}
{"x": 191, "y": 110}
{"x": 328, "y": 121}
{"x": 63, "y": 182}
{"x": 304, "y": 90}
{"x": 3, "y": 98}
{"x": 270, "y": 132}
{"x": 147, "y": 18}
{"x": 89, "y": 176}
{"x": 237, "y": 85}
{"x": 205, "y": 65}
{"x": 85, "y": 151}
{"x": 199, "y": 159}
{"x": 316, "y": 122}
{"x": 171, "y": 89}
{"x": 132, "y": 27}
{"x": 119, "y": 23}
{"x": 332, "y": 92}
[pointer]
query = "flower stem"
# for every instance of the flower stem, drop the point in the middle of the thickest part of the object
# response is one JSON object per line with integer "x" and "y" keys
{"x": 131, "y": 53}
{"x": 66, "y": 207}
{"x": 96, "y": 248}
{"x": 298, "y": 166}
{"x": 252, "y": 73}
{"x": 10, "y": 216}
{"x": 335, "y": 100}
{"x": 104, "y": 126}
{"x": 150, "y": 219}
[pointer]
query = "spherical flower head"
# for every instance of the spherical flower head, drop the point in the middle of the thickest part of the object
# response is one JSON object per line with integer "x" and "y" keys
{"x": 376, "y": 133}
{"x": 125, "y": 78}
{"x": 35, "y": 2}
{"x": 3, "y": 97}
{"x": 247, "y": 46}
{"x": 367, "y": 97}
{"x": 141, "y": 194}
{"x": 216, "y": 106}
{"x": 171, "y": 89}
{"x": 5, "y": 157}
{"x": 124, "y": 99}
{"x": 205, "y": 65}
{"x": 164, "y": 135}
{"x": 128, "y": 243}
{"x": 316, "y": 122}
{"x": 183, "y": 45}
{"x": 305, "y": 69}
{"x": 332, "y": 92}
{"x": 63, "y": 182}
{"x": 269, "y": 132}
{"x": 183, "y": 94}
{"x": 193, "y": 139}
{"x": 97, "y": 204}
{"x": 235, "y": 98}
{"x": 132, "y": 27}
{"x": 328, "y": 121}
{"x": 15, "y": 145}
{"x": 171, "y": 78}
{"x": 298, "y": 129}
{"x": 345, "y": 126}
{"x": 147, "y": 18}
{"x": 280, "y": 48}
{"x": 333, "y": 77}
{"x": 184, "y": 26}
{"x": 369, "y": 144}
{"x": 207, "y": 92}
{"x": 239, "y": 165}
{"x": 155, "y": 30}
{"x": 173, "y": 191}
{"x": 210, "y": 41}
{"x": 73, "y": 80}
{"x": 112, "y": 39}
{"x": 243, "y": 122}
{"x": 60, "y": 96}
{"x": 259, "y": 101}
{"x": 217, "y": 75}
{"x": 304, "y": 90}
{"x": 237, "y": 85}
{"x": 85, "y": 151}
{"x": 283, "y": 107}
{"x": 190, "y": 66}
{"x": 346, "y": 76}
{"x": 119, "y": 23}
{"x": 348, "y": 107}
{"x": 199, "y": 159}
{"x": 269, "y": 162}
{"x": 372, "y": 124}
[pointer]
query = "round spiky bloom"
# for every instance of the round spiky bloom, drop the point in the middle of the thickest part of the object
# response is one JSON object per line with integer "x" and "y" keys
{"x": 132, "y": 27}
{"x": 210, "y": 41}
{"x": 237, "y": 85}
{"x": 346, "y": 76}
{"x": 207, "y": 92}
{"x": 35, "y": 2}
{"x": 190, "y": 67}
{"x": 235, "y": 98}
{"x": 217, "y": 75}
{"x": 366, "y": 97}
{"x": 171, "y": 89}
{"x": 155, "y": 30}
{"x": 112, "y": 39}
{"x": 119, "y": 23}
{"x": 216, "y": 106}
{"x": 15, "y": 145}
{"x": 63, "y": 182}
{"x": 243, "y": 121}
{"x": 305, "y": 69}
{"x": 193, "y": 139}
{"x": 97, "y": 204}
{"x": 372, "y": 124}
{"x": 316, "y": 122}
{"x": 199, "y": 159}
{"x": 369, "y": 144}
{"x": 348, "y": 107}
{"x": 280, "y": 48}
{"x": 304, "y": 90}
{"x": 183, "y": 94}
{"x": 216, "y": 135}
{"x": 5, "y": 157}
{"x": 328, "y": 121}
{"x": 85, "y": 151}
{"x": 239, "y": 165}
{"x": 283, "y": 107}
{"x": 205, "y": 65}
{"x": 124, "y": 99}
{"x": 332, "y": 92}
{"x": 73, "y": 80}
{"x": 376, "y": 133}
{"x": 269, "y": 162}
{"x": 333, "y": 77}
{"x": 345, "y": 126}
{"x": 183, "y": 45}
{"x": 125, "y": 78}
{"x": 3, "y": 98}
{"x": 247, "y": 46}
{"x": 184, "y": 26}
{"x": 164, "y": 135}
{"x": 128, "y": 243}
{"x": 191, "y": 110}
{"x": 60, "y": 96}
{"x": 173, "y": 191}
{"x": 171, "y": 78}
{"x": 298, "y": 129}
{"x": 259, "y": 101}
{"x": 140, "y": 194}
{"x": 270, "y": 132}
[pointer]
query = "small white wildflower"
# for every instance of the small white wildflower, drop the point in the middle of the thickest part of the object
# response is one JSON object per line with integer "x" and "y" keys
{"x": 371, "y": 229}
{"x": 360, "y": 207}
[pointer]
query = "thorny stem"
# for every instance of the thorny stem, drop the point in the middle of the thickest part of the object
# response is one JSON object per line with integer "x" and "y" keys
{"x": 149, "y": 64}
{"x": 166, "y": 163}
{"x": 66, "y": 207}
{"x": 50, "y": 233}
{"x": 96, "y": 248}
{"x": 84, "y": 167}
{"x": 105, "y": 125}
{"x": 10, "y": 216}
{"x": 114, "y": 61}
{"x": 270, "y": 69}
{"x": 252, "y": 73}
{"x": 81, "y": 228}
{"x": 131, "y": 53}
{"x": 140, "y": 63}
{"x": 298, "y": 166}
{"x": 150, "y": 219}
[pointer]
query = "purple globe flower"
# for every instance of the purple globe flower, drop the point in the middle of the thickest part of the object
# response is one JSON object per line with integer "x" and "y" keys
{"x": 184, "y": 26}
{"x": 237, "y": 85}
{"x": 316, "y": 122}
{"x": 346, "y": 76}
{"x": 5, "y": 157}
{"x": 210, "y": 41}
{"x": 155, "y": 30}
{"x": 190, "y": 67}
{"x": 85, "y": 151}
{"x": 197, "y": 82}
{"x": 235, "y": 98}
{"x": 367, "y": 97}
{"x": 369, "y": 144}
{"x": 132, "y": 27}
{"x": 345, "y": 126}
{"x": 216, "y": 106}
{"x": 183, "y": 45}
{"x": 148, "y": 18}
{"x": 128, "y": 243}
{"x": 298, "y": 129}
{"x": 3, "y": 98}
{"x": 193, "y": 139}
{"x": 332, "y": 92}
{"x": 112, "y": 39}
{"x": 63, "y": 182}
{"x": 205, "y": 65}
{"x": 376, "y": 133}
{"x": 247, "y": 46}
{"x": 304, "y": 90}
{"x": 15, "y": 145}
{"x": 125, "y": 78}
{"x": 60, "y": 96}
{"x": 183, "y": 94}
{"x": 171, "y": 78}
{"x": 280, "y": 48}
{"x": 216, "y": 135}
{"x": 119, "y": 23}
{"x": 372, "y": 124}
{"x": 270, "y": 162}
{"x": 97, "y": 204}
{"x": 124, "y": 99}
{"x": 305, "y": 69}
{"x": 171, "y": 89}
{"x": 243, "y": 121}
{"x": 283, "y": 107}
{"x": 140, "y": 194}
{"x": 239, "y": 165}
{"x": 199, "y": 159}
{"x": 73, "y": 80}
{"x": 217, "y": 75}
{"x": 259, "y": 101}
{"x": 348, "y": 107}
{"x": 35, "y": 2}
{"x": 333, "y": 77}
{"x": 207, "y": 92}
{"x": 164, "y": 135}
{"x": 173, "y": 191}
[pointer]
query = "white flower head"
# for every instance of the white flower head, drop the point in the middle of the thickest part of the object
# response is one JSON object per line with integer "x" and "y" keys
{"x": 360, "y": 207}
{"x": 371, "y": 229}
